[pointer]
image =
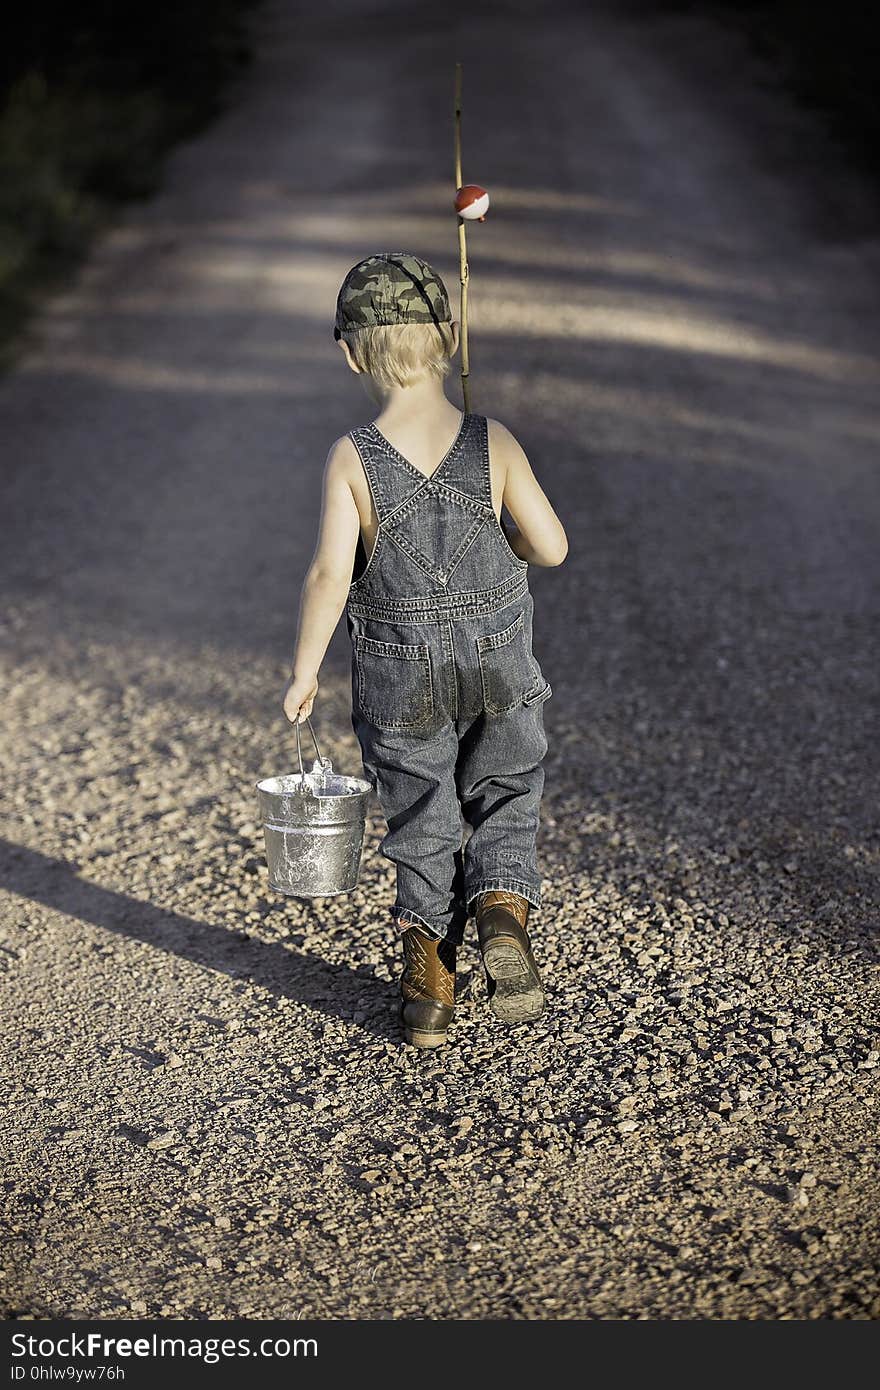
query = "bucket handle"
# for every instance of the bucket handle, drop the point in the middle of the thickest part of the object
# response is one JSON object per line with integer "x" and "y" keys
{"x": 321, "y": 759}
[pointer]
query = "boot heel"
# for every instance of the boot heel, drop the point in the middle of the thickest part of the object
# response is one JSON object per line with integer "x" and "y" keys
{"x": 418, "y": 1038}
{"x": 515, "y": 991}
{"x": 503, "y": 961}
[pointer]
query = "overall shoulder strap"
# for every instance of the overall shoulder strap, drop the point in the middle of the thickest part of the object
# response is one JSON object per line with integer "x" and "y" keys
{"x": 388, "y": 489}
{"x": 467, "y": 470}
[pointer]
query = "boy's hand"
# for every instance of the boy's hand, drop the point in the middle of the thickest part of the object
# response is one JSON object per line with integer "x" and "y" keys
{"x": 299, "y": 697}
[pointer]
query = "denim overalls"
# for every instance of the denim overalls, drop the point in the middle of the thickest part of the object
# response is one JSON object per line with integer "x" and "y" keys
{"x": 447, "y": 697}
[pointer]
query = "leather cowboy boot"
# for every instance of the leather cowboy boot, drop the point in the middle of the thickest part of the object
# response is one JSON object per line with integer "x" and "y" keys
{"x": 427, "y": 988}
{"x": 516, "y": 994}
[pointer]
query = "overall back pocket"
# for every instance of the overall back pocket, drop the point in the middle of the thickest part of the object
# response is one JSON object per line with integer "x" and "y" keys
{"x": 394, "y": 685}
{"x": 508, "y": 670}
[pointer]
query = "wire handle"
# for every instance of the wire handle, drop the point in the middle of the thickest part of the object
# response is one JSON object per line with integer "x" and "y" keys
{"x": 325, "y": 762}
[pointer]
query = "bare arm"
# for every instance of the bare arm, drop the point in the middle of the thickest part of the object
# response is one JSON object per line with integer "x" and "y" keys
{"x": 326, "y": 584}
{"x": 540, "y": 537}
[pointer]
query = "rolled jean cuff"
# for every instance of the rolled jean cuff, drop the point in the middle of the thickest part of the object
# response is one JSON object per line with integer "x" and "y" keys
{"x": 405, "y": 917}
{"x": 510, "y": 885}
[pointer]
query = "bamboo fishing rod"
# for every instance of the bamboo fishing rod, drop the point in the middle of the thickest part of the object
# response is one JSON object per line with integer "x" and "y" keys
{"x": 462, "y": 248}
{"x": 471, "y": 204}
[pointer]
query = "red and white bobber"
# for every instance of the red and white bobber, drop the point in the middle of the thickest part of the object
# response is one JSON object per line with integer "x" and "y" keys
{"x": 472, "y": 202}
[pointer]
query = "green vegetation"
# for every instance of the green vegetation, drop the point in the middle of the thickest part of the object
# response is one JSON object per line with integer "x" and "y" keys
{"x": 93, "y": 94}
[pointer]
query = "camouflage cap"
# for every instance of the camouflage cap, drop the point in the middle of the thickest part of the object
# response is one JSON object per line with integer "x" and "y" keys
{"x": 390, "y": 287}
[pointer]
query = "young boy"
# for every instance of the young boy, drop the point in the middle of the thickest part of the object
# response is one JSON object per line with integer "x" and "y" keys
{"x": 447, "y": 696}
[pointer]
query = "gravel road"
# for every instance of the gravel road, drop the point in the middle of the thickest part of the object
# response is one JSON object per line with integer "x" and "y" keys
{"x": 675, "y": 306}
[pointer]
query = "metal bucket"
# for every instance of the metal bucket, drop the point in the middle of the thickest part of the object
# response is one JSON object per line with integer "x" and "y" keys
{"x": 313, "y": 824}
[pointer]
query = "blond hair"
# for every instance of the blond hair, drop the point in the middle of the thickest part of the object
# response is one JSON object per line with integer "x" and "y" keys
{"x": 397, "y": 354}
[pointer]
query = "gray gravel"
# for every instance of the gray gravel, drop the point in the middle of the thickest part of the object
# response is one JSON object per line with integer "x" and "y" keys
{"x": 675, "y": 306}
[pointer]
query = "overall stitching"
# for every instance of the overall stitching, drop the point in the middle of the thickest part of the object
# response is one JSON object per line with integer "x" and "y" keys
{"x": 447, "y": 696}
